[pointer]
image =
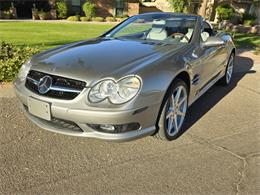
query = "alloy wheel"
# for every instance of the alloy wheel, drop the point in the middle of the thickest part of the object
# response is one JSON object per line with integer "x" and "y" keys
{"x": 176, "y": 110}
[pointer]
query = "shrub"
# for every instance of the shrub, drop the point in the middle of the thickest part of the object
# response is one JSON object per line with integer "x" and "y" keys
{"x": 74, "y": 18}
{"x": 257, "y": 51}
{"x": 247, "y": 16}
{"x": 248, "y": 19}
{"x": 110, "y": 19}
{"x": 85, "y": 19}
{"x": 121, "y": 19}
{"x": 62, "y": 9}
{"x": 11, "y": 59}
{"x": 43, "y": 15}
{"x": 89, "y": 9}
{"x": 249, "y": 22}
{"x": 98, "y": 19}
{"x": 7, "y": 15}
{"x": 35, "y": 14}
{"x": 225, "y": 12}
{"x": 123, "y": 16}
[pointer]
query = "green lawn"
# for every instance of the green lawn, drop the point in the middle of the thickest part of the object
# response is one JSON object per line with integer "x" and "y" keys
{"x": 48, "y": 35}
{"x": 247, "y": 40}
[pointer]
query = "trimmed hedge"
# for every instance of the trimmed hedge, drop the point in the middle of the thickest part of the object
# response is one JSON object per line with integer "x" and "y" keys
{"x": 110, "y": 19}
{"x": 74, "y": 18}
{"x": 12, "y": 58}
{"x": 85, "y": 19}
{"x": 98, "y": 19}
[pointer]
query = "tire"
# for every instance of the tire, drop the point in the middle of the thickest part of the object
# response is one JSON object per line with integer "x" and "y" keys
{"x": 226, "y": 79}
{"x": 172, "y": 113}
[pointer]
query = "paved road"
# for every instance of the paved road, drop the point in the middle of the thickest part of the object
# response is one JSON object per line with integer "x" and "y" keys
{"x": 219, "y": 152}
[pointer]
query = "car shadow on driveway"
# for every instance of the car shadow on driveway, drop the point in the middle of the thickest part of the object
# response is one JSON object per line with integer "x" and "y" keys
{"x": 215, "y": 94}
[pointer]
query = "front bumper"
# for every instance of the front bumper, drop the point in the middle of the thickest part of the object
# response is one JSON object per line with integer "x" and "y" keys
{"x": 73, "y": 119}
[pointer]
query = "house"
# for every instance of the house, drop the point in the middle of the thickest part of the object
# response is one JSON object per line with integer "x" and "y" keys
{"x": 23, "y": 8}
{"x": 103, "y": 7}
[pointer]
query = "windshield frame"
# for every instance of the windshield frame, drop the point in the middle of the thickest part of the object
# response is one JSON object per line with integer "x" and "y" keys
{"x": 117, "y": 28}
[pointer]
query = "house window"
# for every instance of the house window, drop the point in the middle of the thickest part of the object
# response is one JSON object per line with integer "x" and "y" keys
{"x": 75, "y": 6}
{"x": 75, "y": 2}
{"x": 120, "y": 5}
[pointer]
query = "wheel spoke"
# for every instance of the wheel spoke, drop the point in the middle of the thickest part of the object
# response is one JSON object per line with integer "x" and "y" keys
{"x": 172, "y": 101}
{"x": 176, "y": 123}
{"x": 170, "y": 121}
{"x": 178, "y": 94}
{"x": 180, "y": 113}
{"x": 169, "y": 114}
{"x": 228, "y": 74}
{"x": 182, "y": 100}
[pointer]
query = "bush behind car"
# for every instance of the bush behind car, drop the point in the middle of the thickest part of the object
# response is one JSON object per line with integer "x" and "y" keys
{"x": 11, "y": 59}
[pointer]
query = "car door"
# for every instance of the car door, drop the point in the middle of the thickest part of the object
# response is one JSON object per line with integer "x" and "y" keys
{"x": 209, "y": 58}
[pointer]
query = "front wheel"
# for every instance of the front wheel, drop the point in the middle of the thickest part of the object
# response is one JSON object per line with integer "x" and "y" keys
{"x": 174, "y": 111}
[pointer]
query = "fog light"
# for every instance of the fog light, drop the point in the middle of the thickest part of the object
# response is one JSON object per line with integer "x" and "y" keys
{"x": 107, "y": 127}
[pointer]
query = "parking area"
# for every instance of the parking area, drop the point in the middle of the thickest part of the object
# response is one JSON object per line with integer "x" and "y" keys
{"x": 219, "y": 152}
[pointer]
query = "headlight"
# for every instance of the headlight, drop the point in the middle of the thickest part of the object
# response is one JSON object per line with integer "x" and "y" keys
{"x": 24, "y": 70}
{"x": 117, "y": 92}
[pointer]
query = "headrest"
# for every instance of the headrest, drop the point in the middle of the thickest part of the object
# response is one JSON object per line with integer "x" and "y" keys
{"x": 158, "y": 26}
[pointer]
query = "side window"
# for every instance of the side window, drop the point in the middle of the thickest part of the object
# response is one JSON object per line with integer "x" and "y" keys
{"x": 206, "y": 31}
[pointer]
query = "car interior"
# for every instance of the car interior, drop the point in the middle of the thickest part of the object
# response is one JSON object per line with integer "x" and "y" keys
{"x": 180, "y": 30}
{"x": 207, "y": 31}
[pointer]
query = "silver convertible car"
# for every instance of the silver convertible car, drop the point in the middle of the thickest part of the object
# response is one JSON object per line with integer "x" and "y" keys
{"x": 137, "y": 79}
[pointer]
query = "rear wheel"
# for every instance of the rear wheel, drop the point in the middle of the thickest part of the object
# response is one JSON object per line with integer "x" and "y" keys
{"x": 174, "y": 111}
{"x": 229, "y": 71}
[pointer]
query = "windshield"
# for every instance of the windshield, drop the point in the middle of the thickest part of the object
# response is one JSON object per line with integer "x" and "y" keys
{"x": 158, "y": 27}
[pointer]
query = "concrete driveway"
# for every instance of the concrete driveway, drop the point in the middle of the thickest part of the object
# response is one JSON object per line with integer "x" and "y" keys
{"x": 219, "y": 152}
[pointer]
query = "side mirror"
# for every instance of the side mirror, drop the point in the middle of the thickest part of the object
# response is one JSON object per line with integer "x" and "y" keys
{"x": 213, "y": 42}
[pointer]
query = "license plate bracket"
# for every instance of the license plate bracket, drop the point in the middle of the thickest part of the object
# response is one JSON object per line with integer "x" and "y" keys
{"x": 39, "y": 108}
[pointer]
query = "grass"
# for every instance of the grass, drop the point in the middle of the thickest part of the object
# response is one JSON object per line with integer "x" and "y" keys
{"x": 48, "y": 35}
{"x": 247, "y": 40}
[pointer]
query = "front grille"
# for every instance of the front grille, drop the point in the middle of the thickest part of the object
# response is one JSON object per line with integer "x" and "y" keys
{"x": 62, "y": 88}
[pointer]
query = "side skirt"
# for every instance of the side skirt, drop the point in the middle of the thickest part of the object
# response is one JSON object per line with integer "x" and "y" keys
{"x": 203, "y": 90}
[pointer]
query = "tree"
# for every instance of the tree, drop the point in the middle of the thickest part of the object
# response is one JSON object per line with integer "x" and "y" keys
{"x": 89, "y": 9}
{"x": 180, "y": 5}
{"x": 186, "y": 6}
{"x": 62, "y": 9}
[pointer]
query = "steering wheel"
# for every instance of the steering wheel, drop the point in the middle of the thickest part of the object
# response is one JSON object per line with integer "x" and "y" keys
{"x": 181, "y": 35}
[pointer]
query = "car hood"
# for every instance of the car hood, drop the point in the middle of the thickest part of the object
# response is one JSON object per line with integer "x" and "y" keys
{"x": 98, "y": 58}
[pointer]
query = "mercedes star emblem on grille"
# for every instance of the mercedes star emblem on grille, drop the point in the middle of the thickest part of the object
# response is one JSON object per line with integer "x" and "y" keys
{"x": 44, "y": 84}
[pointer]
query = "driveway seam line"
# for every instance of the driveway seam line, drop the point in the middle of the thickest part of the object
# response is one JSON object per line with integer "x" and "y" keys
{"x": 221, "y": 148}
